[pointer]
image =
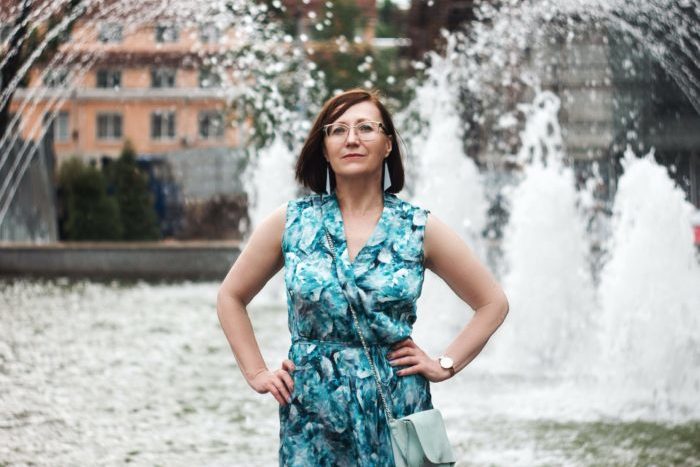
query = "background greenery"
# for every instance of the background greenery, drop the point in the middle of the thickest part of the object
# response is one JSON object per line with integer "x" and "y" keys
{"x": 109, "y": 204}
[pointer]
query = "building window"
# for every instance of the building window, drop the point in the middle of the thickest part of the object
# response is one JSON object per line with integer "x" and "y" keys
{"x": 211, "y": 125}
{"x": 163, "y": 77}
{"x": 209, "y": 33}
{"x": 109, "y": 78}
{"x": 109, "y": 126}
{"x": 208, "y": 78}
{"x": 56, "y": 77}
{"x": 60, "y": 126}
{"x": 166, "y": 33}
{"x": 110, "y": 33}
{"x": 163, "y": 124}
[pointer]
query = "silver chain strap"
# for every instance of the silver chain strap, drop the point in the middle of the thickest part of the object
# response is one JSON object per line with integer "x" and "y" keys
{"x": 364, "y": 344}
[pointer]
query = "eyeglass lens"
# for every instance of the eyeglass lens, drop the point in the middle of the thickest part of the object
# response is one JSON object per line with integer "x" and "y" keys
{"x": 366, "y": 131}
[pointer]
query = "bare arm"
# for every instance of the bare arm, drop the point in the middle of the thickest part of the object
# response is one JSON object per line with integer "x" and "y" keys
{"x": 449, "y": 257}
{"x": 260, "y": 259}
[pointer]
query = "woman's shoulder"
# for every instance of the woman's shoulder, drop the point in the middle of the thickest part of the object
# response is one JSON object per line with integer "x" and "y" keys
{"x": 301, "y": 207}
{"x": 408, "y": 209}
{"x": 300, "y": 213}
{"x": 303, "y": 202}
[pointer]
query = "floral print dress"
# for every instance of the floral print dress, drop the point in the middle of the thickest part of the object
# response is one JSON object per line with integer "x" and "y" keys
{"x": 336, "y": 417}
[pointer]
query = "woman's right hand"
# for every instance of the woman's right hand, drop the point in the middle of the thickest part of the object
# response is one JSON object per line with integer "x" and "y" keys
{"x": 279, "y": 382}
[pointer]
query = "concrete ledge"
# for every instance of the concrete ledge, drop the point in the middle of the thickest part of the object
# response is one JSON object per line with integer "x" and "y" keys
{"x": 197, "y": 260}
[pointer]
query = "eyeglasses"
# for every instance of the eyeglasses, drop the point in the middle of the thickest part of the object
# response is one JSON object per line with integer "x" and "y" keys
{"x": 365, "y": 131}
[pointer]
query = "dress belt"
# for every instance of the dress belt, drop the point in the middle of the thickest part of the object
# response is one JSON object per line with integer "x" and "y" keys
{"x": 334, "y": 343}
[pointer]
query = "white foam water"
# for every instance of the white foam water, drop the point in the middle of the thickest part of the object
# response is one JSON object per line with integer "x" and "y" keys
{"x": 450, "y": 185}
{"x": 650, "y": 293}
{"x": 270, "y": 184}
{"x": 548, "y": 282}
{"x": 110, "y": 374}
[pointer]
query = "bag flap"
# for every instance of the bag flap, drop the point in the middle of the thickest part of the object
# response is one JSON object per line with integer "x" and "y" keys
{"x": 431, "y": 432}
{"x": 399, "y": 431}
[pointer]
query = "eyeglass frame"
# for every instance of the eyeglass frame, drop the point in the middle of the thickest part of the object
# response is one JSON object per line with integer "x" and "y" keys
{"x": 352, "y": 127}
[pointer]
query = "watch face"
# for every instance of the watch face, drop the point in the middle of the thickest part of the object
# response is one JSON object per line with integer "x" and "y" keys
{"x": 446, "y": 362}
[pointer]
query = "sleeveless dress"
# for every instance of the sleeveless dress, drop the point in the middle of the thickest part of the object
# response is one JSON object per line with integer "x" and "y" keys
{"x": 336, "y": 417}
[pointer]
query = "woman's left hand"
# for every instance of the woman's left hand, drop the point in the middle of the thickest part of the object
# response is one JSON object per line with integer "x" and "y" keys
{"x": 407, "y": 353}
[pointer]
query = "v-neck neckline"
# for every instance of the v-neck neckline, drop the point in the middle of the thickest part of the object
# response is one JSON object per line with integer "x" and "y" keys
{"x": 341, "y": 234}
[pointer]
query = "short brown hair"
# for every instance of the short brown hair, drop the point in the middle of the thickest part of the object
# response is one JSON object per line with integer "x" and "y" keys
{"x": 311, "y": 165}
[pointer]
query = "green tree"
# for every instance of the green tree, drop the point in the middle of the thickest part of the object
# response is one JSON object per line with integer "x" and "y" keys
{"x": 90, "y": 213}
{"x": 347, "y": 21}
{"x": 135, "y": 202}
{"x": 343, "y": 63}
{"x": 389, "y": 20}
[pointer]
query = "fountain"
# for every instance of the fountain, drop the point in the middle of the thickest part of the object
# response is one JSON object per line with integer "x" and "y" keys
{"x": 548, "y": 281}
{"x": 599, "y": 353}
{"x": 450, "y": 185}
{"x": 650, "y": 303}
{"x": 33, "y": 217}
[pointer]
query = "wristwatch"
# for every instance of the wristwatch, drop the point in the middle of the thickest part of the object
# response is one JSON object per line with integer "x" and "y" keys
{"x": 447, "y": 363}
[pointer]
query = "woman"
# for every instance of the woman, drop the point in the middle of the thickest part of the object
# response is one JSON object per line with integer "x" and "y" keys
{"x": 330, "y": 413}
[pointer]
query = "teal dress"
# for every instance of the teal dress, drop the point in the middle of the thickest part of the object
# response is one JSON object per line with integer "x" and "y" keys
{"x": 336, "y": 417}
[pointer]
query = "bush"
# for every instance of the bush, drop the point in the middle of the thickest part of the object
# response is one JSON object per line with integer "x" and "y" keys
{"x": 89, "y": 213}
{"x": 136, "y": 209}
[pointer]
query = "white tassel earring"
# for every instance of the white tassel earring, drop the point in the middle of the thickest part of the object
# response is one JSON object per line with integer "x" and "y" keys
{"x": 387, "y": 177}
{"x": 328, "y": 179}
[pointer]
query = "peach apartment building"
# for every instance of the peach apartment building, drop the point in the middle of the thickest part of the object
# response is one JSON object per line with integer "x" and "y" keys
{"x": 145, "y": 85}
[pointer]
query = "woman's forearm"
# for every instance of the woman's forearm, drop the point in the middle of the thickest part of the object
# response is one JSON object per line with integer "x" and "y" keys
{"x": 238, "y": 329}
{"x": 474, "y": 336}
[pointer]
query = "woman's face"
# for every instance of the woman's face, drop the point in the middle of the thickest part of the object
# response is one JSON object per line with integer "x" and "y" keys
{"x": 359, "y": 151}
